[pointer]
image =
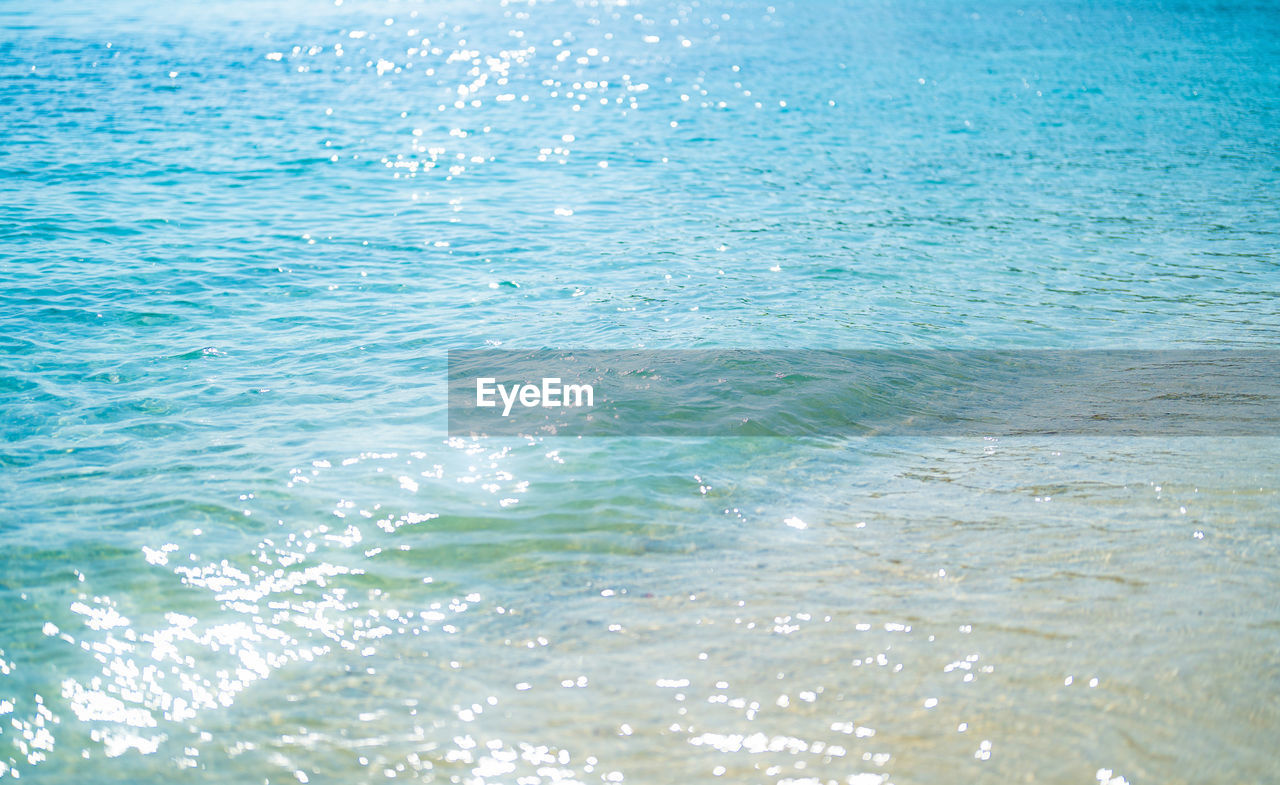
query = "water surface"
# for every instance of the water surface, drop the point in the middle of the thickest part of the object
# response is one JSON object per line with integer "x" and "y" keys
{"x": 238, "y": 239}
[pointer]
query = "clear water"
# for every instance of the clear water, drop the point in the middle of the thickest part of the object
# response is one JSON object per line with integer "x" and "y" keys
{"x": 237, "y": 239}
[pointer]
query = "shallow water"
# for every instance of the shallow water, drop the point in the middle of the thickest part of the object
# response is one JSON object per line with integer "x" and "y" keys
{"x": 238, "y": 239}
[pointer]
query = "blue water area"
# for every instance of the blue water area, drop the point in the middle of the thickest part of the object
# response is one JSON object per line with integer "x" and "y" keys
{"x": 238, "y": 238}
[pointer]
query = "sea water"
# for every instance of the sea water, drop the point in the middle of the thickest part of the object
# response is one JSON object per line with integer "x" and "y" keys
{"x": 237, "y": 240}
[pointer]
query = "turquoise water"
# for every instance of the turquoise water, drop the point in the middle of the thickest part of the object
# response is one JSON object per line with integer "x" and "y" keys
{"x": 237, "y": 239}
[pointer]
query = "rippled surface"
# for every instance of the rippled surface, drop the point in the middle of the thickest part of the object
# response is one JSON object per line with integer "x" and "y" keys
{"x": 236, "y": 240}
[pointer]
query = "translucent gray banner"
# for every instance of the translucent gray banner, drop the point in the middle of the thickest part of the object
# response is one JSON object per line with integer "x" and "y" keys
{"x": 815, "y": 393}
